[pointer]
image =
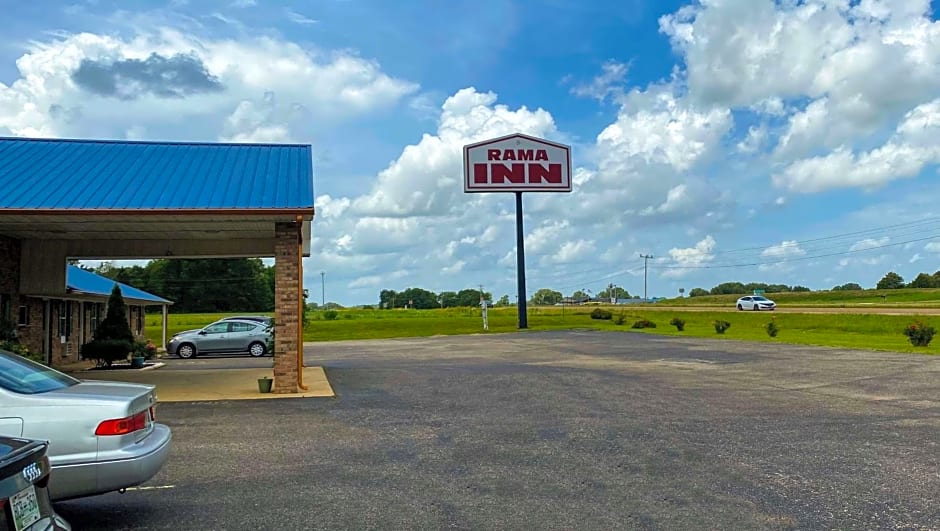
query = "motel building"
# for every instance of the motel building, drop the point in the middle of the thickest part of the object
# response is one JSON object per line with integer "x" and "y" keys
{"x": 112, "y": 200}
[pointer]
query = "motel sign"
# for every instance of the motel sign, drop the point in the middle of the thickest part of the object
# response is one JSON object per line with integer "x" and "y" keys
{"x": 517, "y": 163}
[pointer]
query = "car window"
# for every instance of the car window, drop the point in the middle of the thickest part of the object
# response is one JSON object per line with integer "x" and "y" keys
{"x": 243, "y": 327}
{"x": 20, "y": 375}
{"x": 759, "y": 299}
{"x": 745, "y": 298}
{"x": 217, "y": 328}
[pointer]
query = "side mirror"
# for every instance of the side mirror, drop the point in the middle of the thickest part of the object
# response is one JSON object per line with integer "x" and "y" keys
{"x": 203, "y": 332}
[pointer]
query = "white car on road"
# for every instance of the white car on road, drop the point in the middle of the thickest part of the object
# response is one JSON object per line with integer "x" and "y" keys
{"x": 755, "y": 302}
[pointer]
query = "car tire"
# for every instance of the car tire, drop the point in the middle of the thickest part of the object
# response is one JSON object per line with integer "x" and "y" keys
{"x": 186, "y": 351}
{"x": 740, "y": 307}
{"x": 257, "y": 349}
{"x": 756, "y": 308}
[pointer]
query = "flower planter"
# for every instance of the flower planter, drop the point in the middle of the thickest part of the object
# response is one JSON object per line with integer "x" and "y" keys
{"x": 264, "y": 384}
{"x": 138, "y": 361}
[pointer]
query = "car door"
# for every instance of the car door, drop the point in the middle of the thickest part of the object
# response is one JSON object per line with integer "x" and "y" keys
{"x": 214, "y": 338}
{"x": 241, "y": 335}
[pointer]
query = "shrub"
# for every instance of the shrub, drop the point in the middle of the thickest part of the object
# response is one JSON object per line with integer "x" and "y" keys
{"x": 772, "y": 329}
{"x": 721, "y": 326}
{"x": 678, "y": 323}
{"x": 106, "y": 351}
{"x": 14, "y": 346}
{"x": 644, "y": 323}
{"x": 600, "y": 313}
{"x": 919, "y": 334}
{"x": 330, "y": 315}
{"x": 620, "y": 319}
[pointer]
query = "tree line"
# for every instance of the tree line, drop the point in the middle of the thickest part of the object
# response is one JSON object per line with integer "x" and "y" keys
{"x": 422, "y": 299}
{"x": 893, "y": 280}
{"x": 201, "y": 285}
{"x": 739, "y": 288}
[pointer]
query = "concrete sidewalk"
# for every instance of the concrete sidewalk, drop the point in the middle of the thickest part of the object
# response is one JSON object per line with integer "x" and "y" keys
{"x": 213, "y": 384}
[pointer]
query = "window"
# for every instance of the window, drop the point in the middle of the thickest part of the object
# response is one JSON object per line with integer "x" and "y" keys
{"x": 95, "y": 313}
{"x": 23, "y": 318}
{"x": 65, "y": 318}
{"x": 218, "y": 328}
{"x": 243, "y": 327}
{"x": 20, "y": 375}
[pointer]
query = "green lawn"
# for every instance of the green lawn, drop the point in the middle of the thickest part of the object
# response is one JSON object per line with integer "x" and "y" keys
{"x": 913, "y": 297}
{"x": 878, "y": 332}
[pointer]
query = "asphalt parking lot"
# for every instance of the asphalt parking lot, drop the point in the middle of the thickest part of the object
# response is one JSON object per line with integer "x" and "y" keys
{"x": 558, "y": 430}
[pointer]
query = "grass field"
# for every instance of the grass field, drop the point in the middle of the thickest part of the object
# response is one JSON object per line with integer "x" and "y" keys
{"x": 877, "y": 332}
{"x": 869, "y": 297}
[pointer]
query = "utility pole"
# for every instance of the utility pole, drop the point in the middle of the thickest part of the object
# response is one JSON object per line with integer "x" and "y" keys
{"x": 645, "y": 258}
{"x": 322, "y": 289}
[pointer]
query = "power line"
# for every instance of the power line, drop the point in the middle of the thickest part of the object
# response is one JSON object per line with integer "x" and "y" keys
{"x": 814, "y": 251}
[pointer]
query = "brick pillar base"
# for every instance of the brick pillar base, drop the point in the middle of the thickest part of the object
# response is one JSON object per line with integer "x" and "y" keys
{"x": 287, "y": 286}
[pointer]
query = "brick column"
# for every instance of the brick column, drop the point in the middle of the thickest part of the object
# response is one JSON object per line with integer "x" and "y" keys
{"x": 287, "y": 286}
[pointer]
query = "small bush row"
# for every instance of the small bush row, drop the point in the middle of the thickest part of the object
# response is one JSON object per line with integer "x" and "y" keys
{"x": 919, "y": 333}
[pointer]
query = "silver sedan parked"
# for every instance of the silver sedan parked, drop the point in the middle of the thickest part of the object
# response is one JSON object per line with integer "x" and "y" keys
{"x": 102, "y": 435}
{"x": 230, "y": 335}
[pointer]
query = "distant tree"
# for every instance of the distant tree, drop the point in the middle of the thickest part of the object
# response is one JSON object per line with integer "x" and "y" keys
{"x": 503, "y": 301}
{"x": 471, "y": 297}
{"x": 546, "y": 297}
{"x": 447, "y": 299}
{"x": 729, "y": 288}
{"x": 891, "y": 281}
{"x": 698, "y": 292}
{"x": 616, "y": 292}
{"x": 388, "y": 298}
{"x": 580, "y": 296}
{"x": 849, "y": 286}
{"x": 797, "y": 289}
{"x": 924, "y": 280}
{"x": 421, "y": 299}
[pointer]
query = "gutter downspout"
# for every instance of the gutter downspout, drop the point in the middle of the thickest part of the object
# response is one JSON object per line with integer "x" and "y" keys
{"x": 300, "y": 304}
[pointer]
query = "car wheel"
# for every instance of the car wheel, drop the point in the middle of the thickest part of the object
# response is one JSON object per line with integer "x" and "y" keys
{"x": 257, "y": 349}
{"x": 755, "y": 308}
{"x": 740, "y": 307}
{"x": 186, "y": 351}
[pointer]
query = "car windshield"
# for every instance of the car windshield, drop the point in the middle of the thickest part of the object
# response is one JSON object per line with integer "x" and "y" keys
{"x": 759, "y": 299}
{"x": 20, "y": 375}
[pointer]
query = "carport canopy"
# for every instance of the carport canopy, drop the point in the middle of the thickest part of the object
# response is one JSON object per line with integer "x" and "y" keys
{"x": 97, "y": 199}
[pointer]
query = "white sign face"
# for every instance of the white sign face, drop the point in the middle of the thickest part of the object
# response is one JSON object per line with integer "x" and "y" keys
{"x": 517, "y": 163}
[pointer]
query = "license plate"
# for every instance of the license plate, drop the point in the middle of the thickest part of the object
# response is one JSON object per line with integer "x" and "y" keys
{"x": 25, "y": 507}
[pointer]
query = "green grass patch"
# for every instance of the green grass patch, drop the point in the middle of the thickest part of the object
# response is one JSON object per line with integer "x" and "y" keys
{"x": 860, "y": 331}
{"x": 908, "y": 297}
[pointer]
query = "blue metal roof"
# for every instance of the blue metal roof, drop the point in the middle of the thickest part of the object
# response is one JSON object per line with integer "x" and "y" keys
{"x": 54, "y": 174}
{"x": 86, "y": 282}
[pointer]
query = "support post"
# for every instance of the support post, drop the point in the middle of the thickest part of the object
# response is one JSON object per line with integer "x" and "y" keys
{"x": 164, "y": 312}
{"x": 300, "y": 304}
{"x": 286, "y": 321}
{"x": 520, "y": 264}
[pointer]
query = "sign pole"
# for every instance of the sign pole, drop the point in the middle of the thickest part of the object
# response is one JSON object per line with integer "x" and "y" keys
{"x": 520, "y": 263}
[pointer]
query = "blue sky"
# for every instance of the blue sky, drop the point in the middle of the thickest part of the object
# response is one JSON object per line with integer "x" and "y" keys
{"x": 752, "y": 140}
